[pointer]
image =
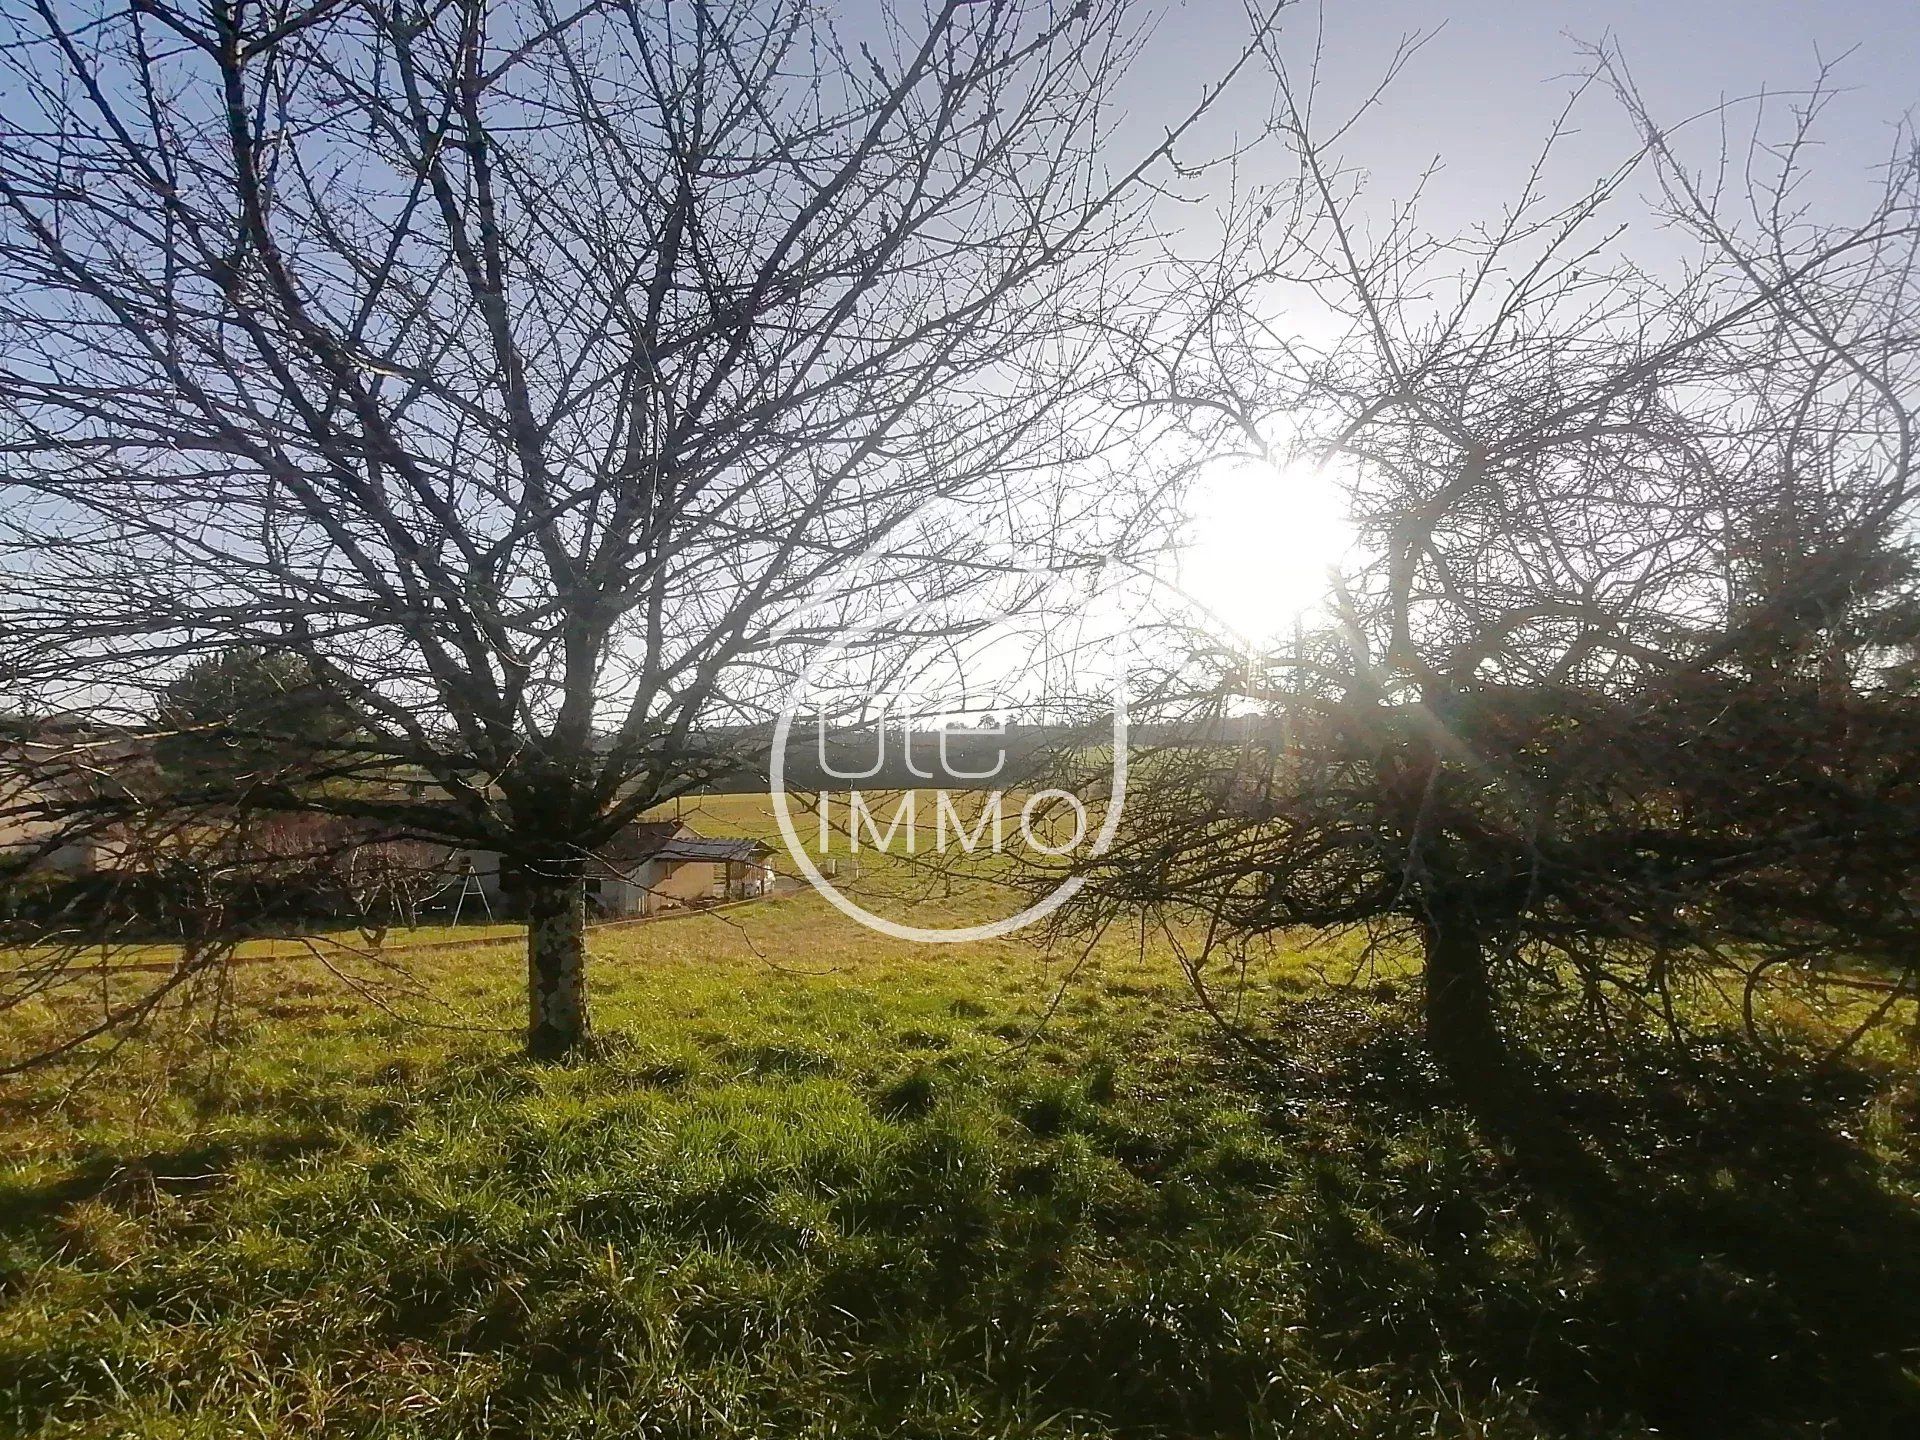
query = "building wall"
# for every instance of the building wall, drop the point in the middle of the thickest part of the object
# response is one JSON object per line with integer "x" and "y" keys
{"x": 687, "y": 881}
{"x": 616, "y": 899}
{"x": 648, "y": 888}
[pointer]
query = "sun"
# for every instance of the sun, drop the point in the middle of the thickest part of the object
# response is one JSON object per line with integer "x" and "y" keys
{"x": 1260, "y": 543}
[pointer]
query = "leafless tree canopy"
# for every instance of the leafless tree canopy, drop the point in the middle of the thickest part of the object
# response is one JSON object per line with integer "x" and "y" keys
{"x": 529, "y": 372}
{"x": 1616, "y": 684}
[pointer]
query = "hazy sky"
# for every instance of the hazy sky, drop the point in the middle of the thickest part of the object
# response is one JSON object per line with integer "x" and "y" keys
{"x": 1484, "y": 88}
{"x": 1480, "y": 97}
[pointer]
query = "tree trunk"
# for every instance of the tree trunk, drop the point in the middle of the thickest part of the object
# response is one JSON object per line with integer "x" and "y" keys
{"x": 556, "y": 959}
{"x": 1461, "y": 1033}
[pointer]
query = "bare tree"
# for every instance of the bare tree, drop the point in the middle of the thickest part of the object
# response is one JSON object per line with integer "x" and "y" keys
{"x": 1604, "y": 695}
{"x": 528, "y": 374}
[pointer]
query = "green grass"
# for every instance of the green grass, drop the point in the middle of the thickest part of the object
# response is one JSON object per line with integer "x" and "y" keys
{"x": 817, "y": 1184}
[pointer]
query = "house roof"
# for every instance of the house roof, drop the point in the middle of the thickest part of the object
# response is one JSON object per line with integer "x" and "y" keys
{"x": 672, "y": 842}
{"x": 694, "y": 847}
{"x": 641, "y": 841}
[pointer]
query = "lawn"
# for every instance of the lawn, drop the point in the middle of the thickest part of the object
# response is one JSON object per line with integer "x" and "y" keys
{"x": 815, "y": 1183}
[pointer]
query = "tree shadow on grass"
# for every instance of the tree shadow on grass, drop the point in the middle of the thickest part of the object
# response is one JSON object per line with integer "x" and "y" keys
{"x": 1686, "y": 1241}
{"x": 1687, "y": 1237}
{"x": 136, "y": 1180}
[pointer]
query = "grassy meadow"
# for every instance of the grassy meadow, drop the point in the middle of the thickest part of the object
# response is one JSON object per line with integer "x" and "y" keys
{"x": 817, "y": 1183}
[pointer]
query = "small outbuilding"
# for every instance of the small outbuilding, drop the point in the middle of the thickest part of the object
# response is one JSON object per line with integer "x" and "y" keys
{"x": 654, "y": 866}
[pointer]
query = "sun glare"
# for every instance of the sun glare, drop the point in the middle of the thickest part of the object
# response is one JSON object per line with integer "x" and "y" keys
{"x": 1259, "y": 544}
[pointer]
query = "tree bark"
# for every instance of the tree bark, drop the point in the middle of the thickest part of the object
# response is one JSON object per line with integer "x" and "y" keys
{"x": 556, "y": 959}
{"x": 1460, "y": 1028}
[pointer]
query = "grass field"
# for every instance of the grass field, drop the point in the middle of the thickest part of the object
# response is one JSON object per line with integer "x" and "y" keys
{"x": 815, "y": 1183}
